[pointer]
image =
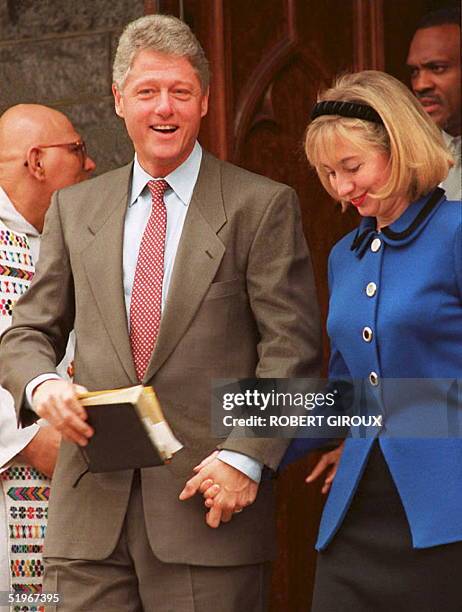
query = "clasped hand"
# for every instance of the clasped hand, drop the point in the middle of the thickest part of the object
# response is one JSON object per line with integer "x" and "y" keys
{"x": 226, "y": 489}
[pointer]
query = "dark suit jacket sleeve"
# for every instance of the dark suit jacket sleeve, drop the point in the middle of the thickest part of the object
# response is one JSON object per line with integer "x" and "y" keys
{"x": 282, "y": 296}
{"x": 48, "y": 308}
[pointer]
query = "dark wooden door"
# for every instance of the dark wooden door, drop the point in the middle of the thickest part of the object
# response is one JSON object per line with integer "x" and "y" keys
{"x": 268, "y": 59}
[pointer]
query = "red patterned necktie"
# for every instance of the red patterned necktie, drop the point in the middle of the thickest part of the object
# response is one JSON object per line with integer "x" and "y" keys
{"x": 146, "y": 300}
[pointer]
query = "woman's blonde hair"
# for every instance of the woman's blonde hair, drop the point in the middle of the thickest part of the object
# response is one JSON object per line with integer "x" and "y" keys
{"x": 419, "y": 159}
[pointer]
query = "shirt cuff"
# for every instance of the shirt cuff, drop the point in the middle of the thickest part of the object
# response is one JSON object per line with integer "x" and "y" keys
{"x": 245, "y": 464}
{"x": 35, "y": 382}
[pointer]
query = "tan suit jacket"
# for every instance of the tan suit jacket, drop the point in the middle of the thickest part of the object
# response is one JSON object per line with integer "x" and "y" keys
{"x": 241, "y": 303}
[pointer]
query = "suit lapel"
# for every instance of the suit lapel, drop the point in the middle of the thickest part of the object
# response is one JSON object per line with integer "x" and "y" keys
{"x": 104, "y": 253}
{"x": 197, "y": 260}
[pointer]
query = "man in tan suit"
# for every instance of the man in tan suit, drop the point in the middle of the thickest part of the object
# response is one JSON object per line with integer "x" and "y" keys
{"x": 174, "y": 270}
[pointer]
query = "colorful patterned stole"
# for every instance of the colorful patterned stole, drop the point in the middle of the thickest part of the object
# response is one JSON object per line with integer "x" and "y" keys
{"x": 25, "y": 490}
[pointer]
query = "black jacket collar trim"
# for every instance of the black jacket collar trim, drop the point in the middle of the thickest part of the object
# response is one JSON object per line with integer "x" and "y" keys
{"x": 367, "y": 230}
{"x": 423, "y": 214}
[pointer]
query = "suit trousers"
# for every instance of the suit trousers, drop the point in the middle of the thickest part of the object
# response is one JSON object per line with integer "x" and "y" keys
{"x": 133, "y": 579}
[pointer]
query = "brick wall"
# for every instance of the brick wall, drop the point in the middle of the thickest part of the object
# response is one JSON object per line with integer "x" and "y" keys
{"x": 60, "y": 53}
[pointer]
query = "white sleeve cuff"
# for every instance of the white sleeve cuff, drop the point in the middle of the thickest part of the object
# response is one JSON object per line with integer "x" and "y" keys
{"x": 245, "y": 464}
{"x": 35, "y": 382}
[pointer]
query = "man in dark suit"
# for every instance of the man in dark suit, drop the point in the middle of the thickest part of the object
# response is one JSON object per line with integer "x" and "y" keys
{"x": 174, "y": 270}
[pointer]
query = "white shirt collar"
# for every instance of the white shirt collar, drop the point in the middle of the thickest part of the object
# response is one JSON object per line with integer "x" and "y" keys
{"x": 13, "y": 219}
{"x": 453, "y": 143}
{"x": 182, "y": 180}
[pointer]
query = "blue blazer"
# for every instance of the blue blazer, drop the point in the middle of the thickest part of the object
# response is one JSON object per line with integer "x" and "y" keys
{"x": 405, "y": 285}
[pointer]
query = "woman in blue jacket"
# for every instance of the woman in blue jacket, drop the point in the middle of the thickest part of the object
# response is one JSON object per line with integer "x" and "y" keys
{"x": 391, "y": 532}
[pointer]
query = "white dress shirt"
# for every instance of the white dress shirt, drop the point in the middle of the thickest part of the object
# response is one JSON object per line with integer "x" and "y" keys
{"x": 177, "y": 198}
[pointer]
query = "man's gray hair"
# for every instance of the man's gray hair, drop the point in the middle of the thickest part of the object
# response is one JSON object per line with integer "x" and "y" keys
{"x": 164, "y": 34}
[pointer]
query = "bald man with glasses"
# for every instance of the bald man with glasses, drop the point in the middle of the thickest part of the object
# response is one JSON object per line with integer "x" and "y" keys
{"x": 40, "y": 152}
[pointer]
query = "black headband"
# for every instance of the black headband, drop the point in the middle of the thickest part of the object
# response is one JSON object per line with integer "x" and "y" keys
{"x": 346, "y": 109}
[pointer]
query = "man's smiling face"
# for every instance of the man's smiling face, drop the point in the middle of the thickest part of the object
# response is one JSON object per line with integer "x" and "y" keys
{"x": 162, "y": 104}
{"x": 434, "y": 60}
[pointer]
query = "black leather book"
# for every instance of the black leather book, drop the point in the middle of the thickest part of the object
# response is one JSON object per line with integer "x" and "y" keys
{"x": 130, "y": 430}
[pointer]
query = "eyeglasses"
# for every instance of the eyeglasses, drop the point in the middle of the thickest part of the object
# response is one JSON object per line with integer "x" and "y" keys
{"x": 78, "y": 148}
